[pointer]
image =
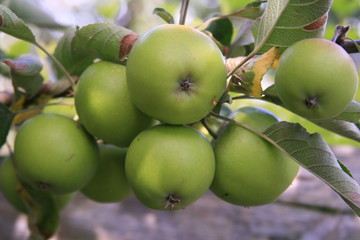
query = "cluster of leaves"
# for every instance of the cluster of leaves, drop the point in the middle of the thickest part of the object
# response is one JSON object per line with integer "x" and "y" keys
{"x": 275, "y": 25}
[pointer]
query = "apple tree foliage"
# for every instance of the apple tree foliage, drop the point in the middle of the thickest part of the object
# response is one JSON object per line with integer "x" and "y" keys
{"x": 274, "y": 26}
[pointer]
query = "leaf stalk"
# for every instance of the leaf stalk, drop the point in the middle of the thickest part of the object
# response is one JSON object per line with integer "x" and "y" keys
{"x": 58, "y": 64}
{"x": 183, "y": 11}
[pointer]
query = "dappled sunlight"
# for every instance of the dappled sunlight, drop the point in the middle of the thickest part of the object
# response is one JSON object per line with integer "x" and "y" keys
{"x": 20, "y": 228}
{"x": 150, "y": 221}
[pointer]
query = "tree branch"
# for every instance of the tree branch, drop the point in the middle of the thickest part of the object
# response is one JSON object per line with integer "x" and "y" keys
{"x": 341, "y": 39}
{"x": 208, "y": 128}
{"x": 350, "y": 46}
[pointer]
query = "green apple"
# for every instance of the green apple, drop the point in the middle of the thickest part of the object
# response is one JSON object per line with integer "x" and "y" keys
{"x": 169, "y": 166}
{"x": 10, "y": 187}
{"x": 55, "y": 154}
{"x": 109, "y": 183}
{"x": 176, "y": 74}
{"x": 316, "y": 78}
{"x": 61, "y": 106}
{"x": 103, "y": 104}
{"x": 356, "y": 58}
{"x": 249, "y": 170}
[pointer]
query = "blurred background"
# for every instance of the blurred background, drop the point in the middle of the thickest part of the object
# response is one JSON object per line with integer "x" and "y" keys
{"x": 308, "y": 210}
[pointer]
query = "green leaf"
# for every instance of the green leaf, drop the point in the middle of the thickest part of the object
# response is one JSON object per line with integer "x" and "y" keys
{"x": 225, "y": 98}
{"x": 73, "y": 60}
{"x": 313, "y": 153}
{"x": 251, "y": 11}
{"x": 25, "y": 75}
{"x": 31, "y": 12}
{"x": 166, "y": 16}
{"x": 340, "y": 127}
{"x": 285, "y": 22}
{"x": 221, "y": 30}
{"x": 28, "y": 86}
{"x": 228, "y": 6}
{"x": 271, "y": 95}
{"x": 14, "y": 26}
{"x": 6, "y": 117}
{"x": 209, "y": 34}
{"x": 104, "y": 40}
{"x": 351, "y": 113}
{"x": 356, "y": 45}
{"x": 43, "y": 216}
{"x": 345, "y": 123}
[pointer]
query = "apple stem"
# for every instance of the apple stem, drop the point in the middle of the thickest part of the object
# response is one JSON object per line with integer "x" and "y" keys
{"x": 210, "y": 131}
{"x": 183, "y": 11}
{"x": 351, "y": 46}
{"x": 171, "y": 201}
{"x": 340, "y": 34}
{"x": 59, "y": 65}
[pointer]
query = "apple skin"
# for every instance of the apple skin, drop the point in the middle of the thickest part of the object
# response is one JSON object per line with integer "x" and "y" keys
{"x": 316, "y": 78}
{"x": 9, "y": 186}
{"x": 249, "y": 170}
{"x": 169, "y": 166}
{"x": 55, "y": 154}
{"x": 176, "y": 74}
{"x": 104, "y": 107}
{"x": 65, "y": 107}
{"x": 357, "y": 95}
{"x": 109, "y": 183}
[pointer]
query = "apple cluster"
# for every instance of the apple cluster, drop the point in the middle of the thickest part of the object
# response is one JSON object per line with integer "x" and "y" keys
{"x": 135, "y": 134}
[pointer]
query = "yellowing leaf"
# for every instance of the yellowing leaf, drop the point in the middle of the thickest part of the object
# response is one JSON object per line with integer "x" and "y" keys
{"x": 31, "y": 110}
{"x": 247, "y": 78}
{"x": 18, "y": 104}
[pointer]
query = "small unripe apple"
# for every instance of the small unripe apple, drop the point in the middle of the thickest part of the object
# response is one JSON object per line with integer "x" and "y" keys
{"x": 316, "y": 78}
{"x": 109, "y": 183}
